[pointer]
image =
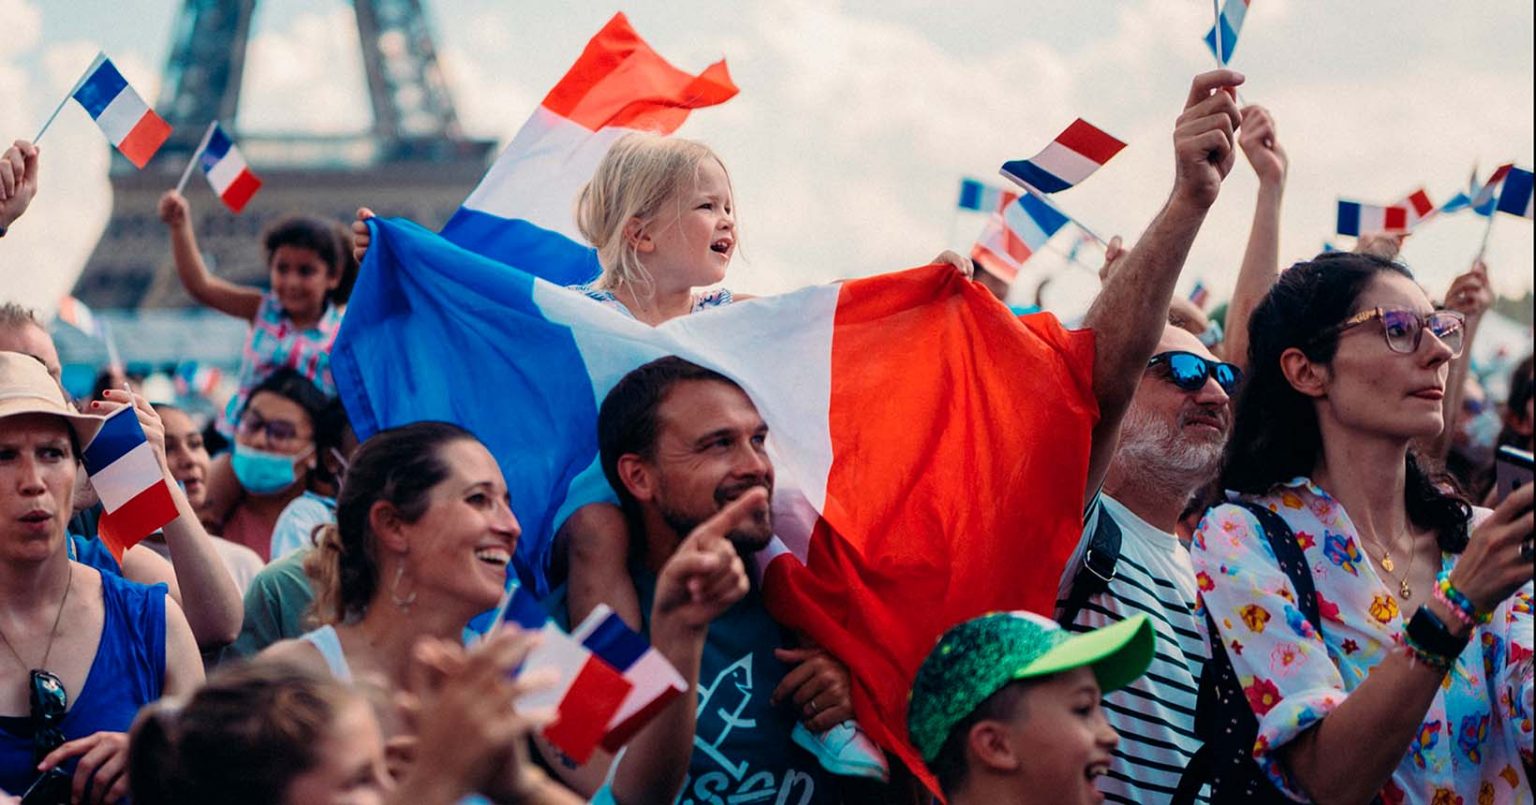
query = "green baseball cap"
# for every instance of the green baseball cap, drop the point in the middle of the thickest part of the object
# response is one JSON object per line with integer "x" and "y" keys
{"x": 978, "y": 657}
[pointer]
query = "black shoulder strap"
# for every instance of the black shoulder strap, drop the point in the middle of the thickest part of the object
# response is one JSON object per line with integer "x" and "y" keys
{"x": 1212, "y": 709}
{"x": 1291, "y": 559}
{"x": 1098, "y": 568}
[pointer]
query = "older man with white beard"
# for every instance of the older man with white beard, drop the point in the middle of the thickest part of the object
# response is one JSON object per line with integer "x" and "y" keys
{"x": 1171, "y": 442}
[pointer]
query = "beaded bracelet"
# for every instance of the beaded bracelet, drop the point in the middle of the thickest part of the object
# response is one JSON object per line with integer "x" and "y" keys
{"x": 1460, "y": 614}
{"x": 1458, "y": 599}
{"x": 1422, "y": 656}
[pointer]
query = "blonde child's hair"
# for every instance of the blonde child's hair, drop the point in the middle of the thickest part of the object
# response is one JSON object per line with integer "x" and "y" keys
{"x": 638, "y": 174}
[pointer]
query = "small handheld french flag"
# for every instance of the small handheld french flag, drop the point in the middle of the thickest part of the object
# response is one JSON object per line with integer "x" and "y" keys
{"x": 1363, "y": 219}
{"x": 588, "y": 694}
{"x": 979, "y": 196}
{"x": 228, "y": 174}
{"x": 1013, "y": 235}
{"x": 129, "y": 481}
{"x": 656, "y": 683}
{"x": 1228, "y": 24}
{"x": 1516, "y": 197}
{"x": 122, "y": 115}
{"x": 1072, "y": 157}
{"x": 1419, "y": 207}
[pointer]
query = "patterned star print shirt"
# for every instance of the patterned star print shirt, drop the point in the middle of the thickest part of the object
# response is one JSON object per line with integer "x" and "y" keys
{"x": 1471, "y": 742}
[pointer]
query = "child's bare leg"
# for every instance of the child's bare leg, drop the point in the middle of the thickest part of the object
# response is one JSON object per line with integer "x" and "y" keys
{"x": 598, "y": 539}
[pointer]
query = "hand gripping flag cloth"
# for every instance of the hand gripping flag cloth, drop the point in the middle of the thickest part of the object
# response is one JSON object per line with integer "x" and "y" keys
{"x": 521, "y": 212}
{"x": 930, "y": 448}
{"x": 127, "y": 477}
{"x": 122, "y": 115}
{"x": 228, "y": 174}
{"x": 1072, "y": 157}
{"x": 1228, "y": 24}
{"x": 1013, "y": 235}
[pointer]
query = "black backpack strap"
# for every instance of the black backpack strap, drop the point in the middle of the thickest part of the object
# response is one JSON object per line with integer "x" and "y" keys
{"x": 1098, "y": 568}
{"x": 1292, "y": 560}
{"x": 1221, "y": 705}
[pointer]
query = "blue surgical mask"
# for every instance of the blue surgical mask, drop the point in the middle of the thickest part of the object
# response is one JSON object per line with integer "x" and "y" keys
{"x": 261, "y": 472}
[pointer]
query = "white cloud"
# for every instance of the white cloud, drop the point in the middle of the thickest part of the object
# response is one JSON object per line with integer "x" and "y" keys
{"x": 306, "y": 76}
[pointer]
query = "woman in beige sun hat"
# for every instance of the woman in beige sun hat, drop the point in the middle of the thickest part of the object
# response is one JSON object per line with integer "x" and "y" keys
{"x": 80, "y": 652}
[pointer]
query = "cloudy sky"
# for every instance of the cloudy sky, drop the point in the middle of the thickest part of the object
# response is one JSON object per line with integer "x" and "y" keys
{"x": 856, "y": 120}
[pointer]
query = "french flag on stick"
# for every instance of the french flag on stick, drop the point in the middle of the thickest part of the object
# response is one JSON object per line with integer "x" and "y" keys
{"x": 588, "y": 693}
{"x": 979, "y": 196}
{"x": 521, "y": 212}
{"x": 1516, "y": 198}
{"x": 1363, "y": 219}
{"x": 122, "y": 115}
{"x": 656, "y": 682}
{"x": 1229, "y": 23}
{"x": 228, "y": 174}
{"x": 127, "y": 477}
{"x": 1015, "y": 234}
{"x": 1072, "y": 157}
{"x": 1419, "y": 207}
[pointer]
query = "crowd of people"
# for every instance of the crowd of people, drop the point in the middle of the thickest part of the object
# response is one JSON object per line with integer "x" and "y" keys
{"x": 1295, "y": 577}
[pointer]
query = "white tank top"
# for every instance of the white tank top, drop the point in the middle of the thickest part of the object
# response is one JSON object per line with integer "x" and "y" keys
{"x": 328, "y": 644}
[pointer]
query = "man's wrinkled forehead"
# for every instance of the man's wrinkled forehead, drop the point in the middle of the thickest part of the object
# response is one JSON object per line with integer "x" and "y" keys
{"x": 696, "y": 407}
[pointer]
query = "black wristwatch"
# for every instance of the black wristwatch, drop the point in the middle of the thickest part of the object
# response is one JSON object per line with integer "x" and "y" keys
{"x": 1431, "y": 634}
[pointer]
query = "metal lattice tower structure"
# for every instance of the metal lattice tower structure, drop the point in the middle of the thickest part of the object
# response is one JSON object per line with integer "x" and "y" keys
{"x": 413, "y": 161}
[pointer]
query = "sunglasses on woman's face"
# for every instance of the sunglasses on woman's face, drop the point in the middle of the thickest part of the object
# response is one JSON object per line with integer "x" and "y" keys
{"x": 279, "y": 431}
{"x": 1404, "y": 329}
{"x": 1190, "y": 372}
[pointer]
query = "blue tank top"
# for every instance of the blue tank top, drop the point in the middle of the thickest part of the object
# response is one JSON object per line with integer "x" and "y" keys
{"x": 127, "y": 673}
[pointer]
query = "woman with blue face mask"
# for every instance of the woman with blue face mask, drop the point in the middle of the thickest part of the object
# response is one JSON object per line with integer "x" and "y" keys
{"x": 276, "y": 455}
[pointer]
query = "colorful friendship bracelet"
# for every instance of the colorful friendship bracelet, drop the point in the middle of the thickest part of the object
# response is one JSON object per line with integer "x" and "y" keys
{"x": 1459, "y": 600}
{"x": 1460, "y": 614}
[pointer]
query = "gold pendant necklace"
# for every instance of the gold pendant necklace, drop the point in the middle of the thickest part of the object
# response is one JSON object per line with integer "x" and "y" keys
{"x": 1403, "y": 590}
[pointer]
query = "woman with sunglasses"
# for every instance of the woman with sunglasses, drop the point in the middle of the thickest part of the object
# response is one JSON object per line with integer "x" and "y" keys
{"x": 280, "y": 439}
{"x": 80, "y": 651}
{"x": 1418, "y": 687}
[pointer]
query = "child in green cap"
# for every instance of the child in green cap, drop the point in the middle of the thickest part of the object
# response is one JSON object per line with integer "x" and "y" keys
{"x": 1005, "y": 709}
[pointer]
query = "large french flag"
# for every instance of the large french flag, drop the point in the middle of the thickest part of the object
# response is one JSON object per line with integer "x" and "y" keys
{"x": 1229, "y": 23}
{"x": 226, "y": 169}
{"x": 1515, "y": 199}
{"x": 521, "y": 212}
{"x": 656, "y": 682}
{"x": 127, "y": 477}
{"x": 587, "y": 690}
{"x": 1072, "y": 157}
{"x": 896, "y": 403}
{"x": 1015, "y": 233}
{"x": 122, "y": 115}
{"x": 1363, "y": 219}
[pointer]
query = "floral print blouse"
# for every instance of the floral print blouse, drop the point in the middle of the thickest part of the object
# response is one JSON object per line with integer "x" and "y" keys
{"x": 1471, "y": 743}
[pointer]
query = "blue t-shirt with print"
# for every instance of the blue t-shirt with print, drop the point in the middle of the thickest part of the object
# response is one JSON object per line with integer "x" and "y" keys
{"x": 742, "y": 751}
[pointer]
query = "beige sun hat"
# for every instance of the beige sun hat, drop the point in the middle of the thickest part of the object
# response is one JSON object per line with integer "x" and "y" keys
{"x": 27, "y": 388}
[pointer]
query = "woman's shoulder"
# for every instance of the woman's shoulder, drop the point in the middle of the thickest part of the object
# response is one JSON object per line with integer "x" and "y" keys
{"x": 294, "y": 651}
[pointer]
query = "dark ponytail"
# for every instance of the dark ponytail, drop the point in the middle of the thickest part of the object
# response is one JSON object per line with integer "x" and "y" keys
{"x": 1275, "y": 435}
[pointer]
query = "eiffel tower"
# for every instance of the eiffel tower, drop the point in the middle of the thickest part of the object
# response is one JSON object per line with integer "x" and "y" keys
{"x": 414, "y": 161}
